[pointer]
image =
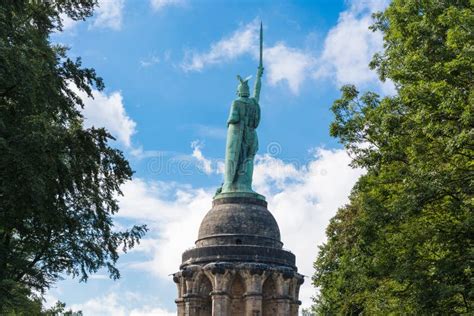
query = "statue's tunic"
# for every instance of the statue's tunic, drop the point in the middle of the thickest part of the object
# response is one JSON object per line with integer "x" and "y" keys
{"x": 242, "y": 145}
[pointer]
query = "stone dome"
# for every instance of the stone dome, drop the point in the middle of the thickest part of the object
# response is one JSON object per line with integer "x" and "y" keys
{"x": 238, "y": 229}
{"x": 239, "y": 221}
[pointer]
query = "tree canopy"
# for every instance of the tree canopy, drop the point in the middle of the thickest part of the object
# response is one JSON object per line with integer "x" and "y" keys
{"x": 404, "y": 243}
{"x": 59, "y": 181}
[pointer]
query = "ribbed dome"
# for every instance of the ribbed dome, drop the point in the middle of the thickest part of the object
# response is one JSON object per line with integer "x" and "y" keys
{"x": 241, "y": 221}
{"x": 239, "y": 229}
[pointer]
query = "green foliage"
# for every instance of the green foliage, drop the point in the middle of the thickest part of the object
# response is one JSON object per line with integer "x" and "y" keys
{"x": 404, "y": 243}
{"x": 58, "y": 180}
{"x": 306, "y": 312}
{"x": 32, "y": 305}
{"x": 59, "y": 310}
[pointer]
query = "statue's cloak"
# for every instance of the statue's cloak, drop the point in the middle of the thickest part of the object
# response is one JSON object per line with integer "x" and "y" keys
{"x": 234, "y": 154}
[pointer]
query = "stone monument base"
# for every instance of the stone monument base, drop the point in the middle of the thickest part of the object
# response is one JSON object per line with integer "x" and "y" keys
{"x": 240, "y": 289}
{"x": 238, "y": 266}
{"x": 250, "y": 195}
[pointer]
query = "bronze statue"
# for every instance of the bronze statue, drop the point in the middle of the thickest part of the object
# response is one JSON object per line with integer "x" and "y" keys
{"x": 242, "y": 140}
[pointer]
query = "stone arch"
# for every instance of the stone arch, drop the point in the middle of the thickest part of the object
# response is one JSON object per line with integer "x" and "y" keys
{"x": 269, "y": 290}
{"x": 203, "y": 288}
{"x": 237, "y": 291}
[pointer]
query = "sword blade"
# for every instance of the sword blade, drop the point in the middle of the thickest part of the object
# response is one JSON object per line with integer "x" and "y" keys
{"x": 261, "y": 45}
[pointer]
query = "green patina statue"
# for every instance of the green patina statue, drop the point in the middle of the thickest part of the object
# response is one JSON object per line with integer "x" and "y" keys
{"x": 242, "y": 140}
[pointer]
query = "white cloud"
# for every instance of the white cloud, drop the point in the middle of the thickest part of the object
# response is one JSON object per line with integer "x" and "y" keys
{"x": 348, "y": 49}
{"x": 114, "y": 304}
{"x": 303, "y": 200}
{"x": 106, "y": 305}
{"x": 108, "y": 111}
{"x": 350, "y": 45}
{"x": 98, "y": 277}
{"x": 50, "y": 299}
{"x": 68, "y": 23}
{"x": 149, "y": 61}
{"x": 287, "y": 64}
{"x": 108, "y": 14}
{"x": 242, "y": 41}
{"x": 151, "y": 311}
{"x": 204, "y": 164}
{"x": 368, "y": 6}
{"x": 301, "y": 197}
{"x": 173, "y": 212}
{"x": 161, "y": 4}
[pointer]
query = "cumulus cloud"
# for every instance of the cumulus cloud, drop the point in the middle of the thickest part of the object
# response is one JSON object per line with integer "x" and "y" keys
{"x": 368, "y": 6}
{"x": 204, "y": 164}
{"x": 108, "y": 110}
{"x": 242, "y": 41}
{"x": 108, "y": 14}
{"x": 350, "y": 45}
{"x": 288, "y": 64}
{"x": 118, "y": 305}
{"x": 158, "y": 5}
{"x": 348, "y": 49}
{"x": 173, "y": 211}
{"x": 302, "y": 197}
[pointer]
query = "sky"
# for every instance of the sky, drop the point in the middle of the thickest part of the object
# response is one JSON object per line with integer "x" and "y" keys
{"x": 170, "y": 69}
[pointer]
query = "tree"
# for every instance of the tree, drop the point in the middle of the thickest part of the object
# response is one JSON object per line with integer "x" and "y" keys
{"x": 33, "y": 306}
{"x": 306, "y": 312}
{"x": 58, "y": 180}
{"x": 404, "y": 243}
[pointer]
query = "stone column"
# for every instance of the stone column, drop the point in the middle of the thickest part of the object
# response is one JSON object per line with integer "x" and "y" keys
{"x": 180, "y": 283}
{"x": 294, "y": 307}
{"x": 179, "y": 301}
{"x": 180, "y": 306}
{"x": 295, "y": 284}
{"x": 192, "y": 305}
{"x": 253, "y": 304}
{"x": 253, "y": 283}
{"x": 222, "y": 275}
{"x": 283, "y": 298}
{"x": 283, "y": 306}
{"x": 220, "y": 303}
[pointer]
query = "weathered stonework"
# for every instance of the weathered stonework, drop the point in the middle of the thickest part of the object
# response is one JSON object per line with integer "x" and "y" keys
{"x": 238, "y": 266}
{"x": 238, "y": 289}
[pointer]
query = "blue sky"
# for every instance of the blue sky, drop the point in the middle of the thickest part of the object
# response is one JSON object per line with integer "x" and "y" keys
{"x": 170, "y": 71}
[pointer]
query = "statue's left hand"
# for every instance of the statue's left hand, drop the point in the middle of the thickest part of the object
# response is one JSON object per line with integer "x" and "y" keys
{"x": 260, "y": 71}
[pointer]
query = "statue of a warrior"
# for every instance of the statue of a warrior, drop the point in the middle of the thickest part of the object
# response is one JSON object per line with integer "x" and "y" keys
{"x": 242, "y": 140}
